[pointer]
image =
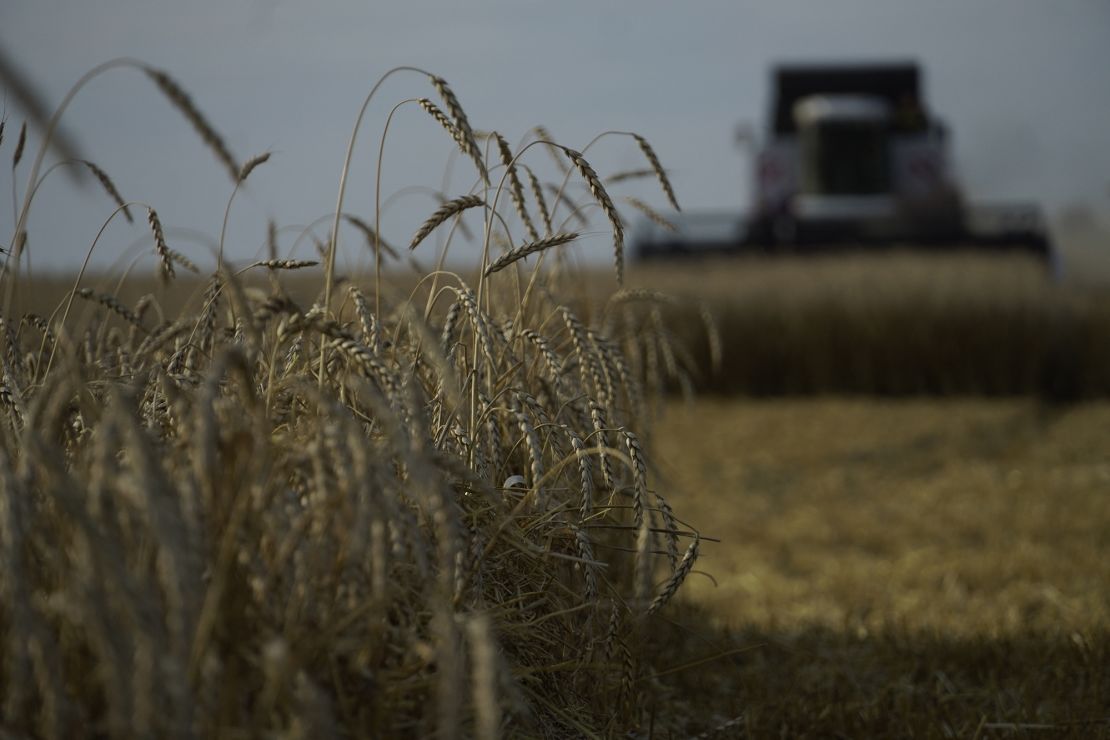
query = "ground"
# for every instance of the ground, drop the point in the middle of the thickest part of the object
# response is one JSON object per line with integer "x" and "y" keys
{"x": 898, "y": 568}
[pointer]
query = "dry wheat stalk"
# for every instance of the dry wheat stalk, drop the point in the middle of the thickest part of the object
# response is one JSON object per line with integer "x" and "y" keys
{"x": 160, "y": 247}
{"x": 373, "y": 238}
{"x": 541, "y": 203}
{"x": 444, "y": 212}
{"x": 713, "y": 336}
{"x": 655, "y": 216}
{"x": 250, "y": 164}
{"x": 670, "y": 525}
{"x": 589, "y": 367}
{"x": 111, "y": 303}
{"x": 182, "y": 260}
{"x": 19, "y": 144}
{"x": 605, "y": 369}
{"x": 606, "y": 203}
{"x": 535, "y": 453}
{"x": 544, "y": 135}
{"x": 623, "y": 175}
{"x": 281, "y": 264}
{"x": 529, "y": 248}
{"x": 554, "y": 365}
{"x": 366, "y": 319}
{"x": 670, "y": 588}
{"x": 184, "y": 103}
{"x": 450, "y": 321}
{"x": 516, "y": 189}
{"x": 461, "y": 123}
{"x": 563, "y": 198}
{"x": 639, "y": 478}
{"x": 586, "y": 552}
{"x": 585, "y": 474}
{"x": 660, "y": 173}
{"x": 601, "y": 430}
{"x": 271, "y": 239}
{"x": 442, "y": 119}
{"x": 110, "y": 188}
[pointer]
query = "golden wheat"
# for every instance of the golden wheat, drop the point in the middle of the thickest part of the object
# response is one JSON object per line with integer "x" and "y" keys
{"x": 244, "y": 510}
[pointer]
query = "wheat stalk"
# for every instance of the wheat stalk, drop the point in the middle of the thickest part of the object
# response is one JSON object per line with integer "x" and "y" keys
{"x": 553, "y": 148}
{"x": 20, "y": 142}
{"x": 606, "y": 203}
{"x": 251, "y": 164}
{"x": 516, "y": 189}
{"x": 524, "y": 250}
{"x": 373, "y": 238}
{"x": 181, "y": 100}
{"x": 651, "y": 213}
{"x": 657, "y": 168}
{"x": 541, "y": 203}
{"x": 112, "y": 304}
{"x": 160, "y": 247}
{"x": 110, "y": 188}
{"x": 670, "y": 588}
{"x": 461, "y": 123}
{"x": 283, "y": 264}
{"x": 624, "y": 175}
{"x": 444, "y": 212}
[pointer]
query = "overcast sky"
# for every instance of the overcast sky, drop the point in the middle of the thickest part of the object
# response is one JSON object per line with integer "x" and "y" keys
{"x": 1020, "y": 82}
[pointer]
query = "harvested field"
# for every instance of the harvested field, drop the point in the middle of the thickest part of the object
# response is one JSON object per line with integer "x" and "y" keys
{"x": 900, "y": 569}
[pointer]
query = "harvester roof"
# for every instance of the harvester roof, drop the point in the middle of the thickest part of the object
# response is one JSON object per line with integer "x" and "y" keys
{"x": 894, "y": 83}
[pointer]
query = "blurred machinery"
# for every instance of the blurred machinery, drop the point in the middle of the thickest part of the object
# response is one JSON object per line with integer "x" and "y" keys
{"x": 852, "y": 160}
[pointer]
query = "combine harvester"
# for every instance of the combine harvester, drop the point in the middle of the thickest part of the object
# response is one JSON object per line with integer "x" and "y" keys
{"x": 853, "y": 161}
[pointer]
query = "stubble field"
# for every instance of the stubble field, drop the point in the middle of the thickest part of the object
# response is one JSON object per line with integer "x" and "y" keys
{"x": 903, "y": 568}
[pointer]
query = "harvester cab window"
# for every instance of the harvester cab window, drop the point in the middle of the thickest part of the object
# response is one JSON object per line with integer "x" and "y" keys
{"x": 844, "y": 145}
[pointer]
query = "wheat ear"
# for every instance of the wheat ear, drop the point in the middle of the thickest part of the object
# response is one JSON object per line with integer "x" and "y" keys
{"x": 530, "y": 248}
{"x": 461, "y": 123}
{"x": 251, "y": 163}
{"x": 444, "y": 212}
{"x": 676, "y": 579}
{"x": 624, "y": 175}
{"x": 516, "y": 189}
{"x": 373, "y": 238}
{"x": 651, "y": 213}
{"x": 181, "y": 100}
{"x": 20, "y": 143}
{"x": 280, "y": 264}
{"x": 160, "y": 245}
{"x": 110, "y": 188}
{"x": 606, "y": 203}
{"x": 657, "y": 168}
{"x": 112, "y": 304}
{"x": 541, "y": 203}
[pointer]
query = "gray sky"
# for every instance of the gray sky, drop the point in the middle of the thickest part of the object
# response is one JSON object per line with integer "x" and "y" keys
{"x": 1019, "y": 82}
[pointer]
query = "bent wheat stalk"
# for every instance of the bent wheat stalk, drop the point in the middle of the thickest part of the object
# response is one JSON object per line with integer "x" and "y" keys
{"x": 444, "y": 212}
{"x": 524, "y": 250}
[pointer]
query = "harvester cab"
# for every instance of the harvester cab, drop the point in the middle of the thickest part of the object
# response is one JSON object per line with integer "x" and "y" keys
{"x": 853, "y": 159}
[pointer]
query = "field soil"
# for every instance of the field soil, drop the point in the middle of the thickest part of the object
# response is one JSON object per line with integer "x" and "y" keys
{"x": 895, "y": 568}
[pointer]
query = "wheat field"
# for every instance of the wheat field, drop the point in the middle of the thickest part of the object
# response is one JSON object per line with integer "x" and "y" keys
{"x": 273, "y": 499}
{"x": 276, "y": 498}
